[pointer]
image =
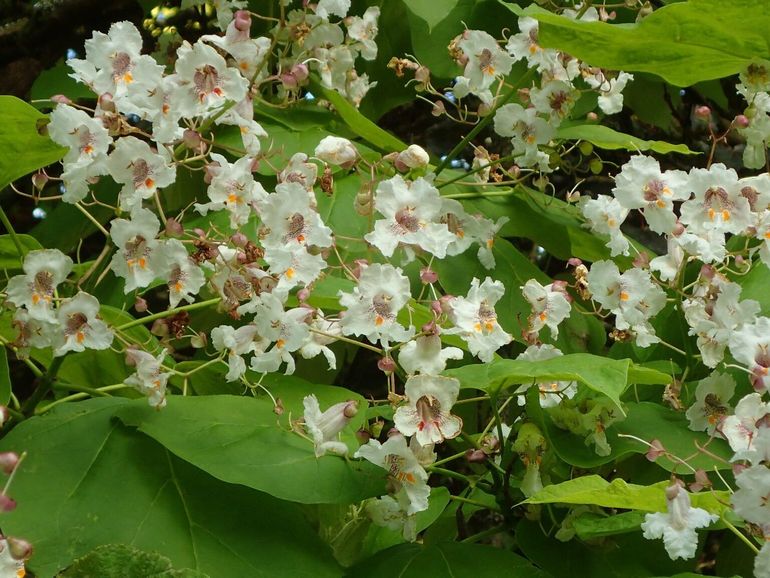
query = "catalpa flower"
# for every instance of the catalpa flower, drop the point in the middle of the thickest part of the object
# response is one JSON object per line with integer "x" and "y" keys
{"x": 326, "y": 8}
{"x": 114, "y": 65}
{"x": 237, "y": 342}
{"x": 610, "y": 90}
{"x": 411, "y": 211}
{"x": 717, "y": 204}
{"x": 425, "y": 355}
{"x": 712, "y": 402}
{"x": 10, "y": 566}
{"x": 550, "y": 306}
{"x": 291, "y": 220}
{"x": 750, "y": 345}
{"x": 750, "y": 499}
{"x": 34, "y": 333}
{"x": 205, "y": 83}
{"x": 605, "y": 215}
{"x": 364, "y": 31}
{"x": 242, "y": 116}
{"x": 427, "y": 413}
{"x": 677, "y": 526}
{"x": 325, "y": 427}
{"x": 183, "y": 276}
{"x": 137, "y": 257}
{"x": 233, "y": 188}
{"x": 141, "y": 171}
{"x": 555, "y": 98}
{"x": 148, "y": 379}
{"x": 475, "y": 319}
{"x": 391, "y": 512}
{"x": 247, "y": 52}
{"x": 299, "y": 170}
{"x": 524, "y": 45}
{"x": 527, "y": 130}
{"x": 551, "y": 392}
{"x": 43, "y": 271}
{"x": 740, "y": 429}
{"x": 403, "y": 469}
{"x": 293, "y": 267}
{"x": 632, "y": 297}
{"x": 486, "y": 62}
{"x": 316, "y": 343}
{"x": 371, "y": 308}
{"x": 80, "y": 327}
{"x": 87, "y": 140}
{"x": 468, "y": 229}
{"x": 288, "y": 331}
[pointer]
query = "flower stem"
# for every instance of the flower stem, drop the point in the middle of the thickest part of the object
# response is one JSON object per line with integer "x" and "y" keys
{"x": 169, "y": 313}
{"x": 14, "y": 237}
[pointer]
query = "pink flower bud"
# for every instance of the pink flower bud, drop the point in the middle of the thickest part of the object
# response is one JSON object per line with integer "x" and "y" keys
{"x": 679, "y": 228}
{"x": 242, "y": 20}
{"x": 476, "y": 456}
{"x": 300, "y": 72}
{"x": 8, "y": 461}
{"x": 200, "y": 232}
{"x": 592, "y": 117}
{"x": 140, "y": 305}
{"x": 703, "y": 112}
{"x": 174, "y": 228}
{"x": 20, "y": 549}
{"x": 428, "y": 275}
{"x": 431, "y": 328}
{"x": 701, "y": 481}
{"x": 435, "y": 306}
{"x": 358, "y": 265}
{"x": 7, "y": 504}
{"x": 191, "y": 139}
{"x": 39, "y": 180}
{"x": 446, "y": 303}
{"x": 386, "y": 365}
{"x": 741, "y": 121}
{"x": 574, "y": 262}
{"x": 708, "y": 272}
{"x": 438, "y": 108}
{"x": 656, "y": 450}
{"x": 363, "y": 436}
{"x": 642, "y": 261}
{"x": 61, "y": 99}
{"x": 303, "y": 294}
{"x": 239, "y": 239}
{"x": 289, "y": 80}
{"x": 106, "y": 103}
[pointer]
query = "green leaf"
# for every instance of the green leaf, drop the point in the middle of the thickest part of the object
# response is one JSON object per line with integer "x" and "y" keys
{"x": 25, "y": 148}
{"x": 10, "y": 260}
{"x": 242, "y": 443}
{"x": 607, "y": 376}
{"x": 123, "y": 561}
{"x": 683, "y": 43}
{"x": 650, "y": 421}
{"x": 358, "y": 123}
{"x": 595, "y": 490}
{"x": 754, "y": 286}
{"x": 445, "y": 559}
{"x": 5, "y": 377}
{"x": 89, "y": 481}
{"x": 605, "y": 137}
{"x": 431, "y": 11}
{"x": 590, "y": 526}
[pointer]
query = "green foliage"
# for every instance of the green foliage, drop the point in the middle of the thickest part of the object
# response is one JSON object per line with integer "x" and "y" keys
{"x": 606, "y": 138}
{"x": 244, "y": 443}
{"x": 10, "y": 260}
{"x": 89, "y": 481}
{"x": 123, "y": 561}
{"x": 23, "y": 140}
{"x": 670, "y": 41}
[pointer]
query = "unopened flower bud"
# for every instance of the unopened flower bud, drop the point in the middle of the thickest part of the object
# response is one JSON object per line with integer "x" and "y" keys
{"x": 430, "y": 328}
{"x": 278, "y": 408}
{"x": 20, "y": 549}
{"x": 741, "y": 121}
{"x": 191, "y": 139}
{"x": 413, "y": 157}
{"x": 60, "y": 99}
{"x": 428, "y": 275}
{"x": 438, "y": 108}
{"x": 337, "y": 151}
{"x": 39, "y": 180}
{"x": 363, "y": 436}
{"x": 386, "y": 365}
{"x": 300, "y": 72}
{"x": 436, "y": 307}
{"x": 708, "y": 272}
{"x": 106, "y": 103}
{"x": 159, "y": 328}
{"x": 4, "y": 415}
{"x": 242, "y": 20}
{"x": 483, "y": 110}
{"x": 7, "y": 504}
{"x": 679, "y": 228}
{"x": 574, "y": 262}
{"x": 140, "y": 305}
{"x": 8, "y": 461}
{"x": 446, "y": 303}
{"x": 592, "y": 117}
{"x": 174, "y": 228}
{"x": 656, "y": 450}
{"x": 303, "y": 294}
{"x": 701, "y": 481}
{"x": 289, "y": 81}
{"x": 199, "y": 340}
{"x": 703, "y": 112}
{"x": 476, "y": 456}
{"x": 239, "y": 239}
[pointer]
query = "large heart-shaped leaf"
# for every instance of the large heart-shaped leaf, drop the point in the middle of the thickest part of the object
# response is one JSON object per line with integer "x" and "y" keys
{"x": 90, "y": 481}
{"x": 240, "y": 440}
